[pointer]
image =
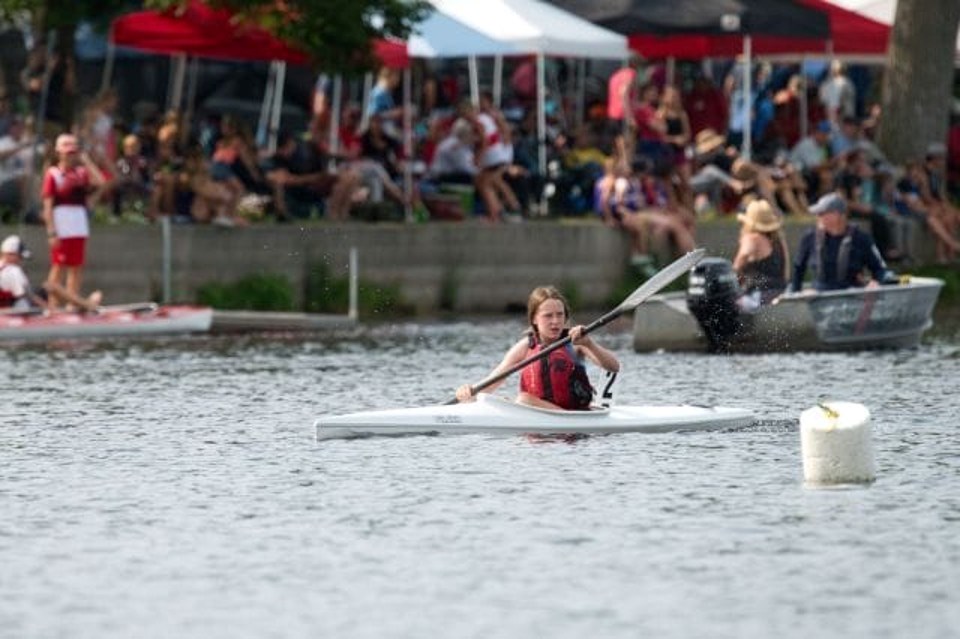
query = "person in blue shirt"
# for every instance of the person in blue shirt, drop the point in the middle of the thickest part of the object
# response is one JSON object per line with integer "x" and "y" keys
{"x": 837, "y": 252}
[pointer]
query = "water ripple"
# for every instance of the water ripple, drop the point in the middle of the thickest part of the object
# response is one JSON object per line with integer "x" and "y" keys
{"x": 173, "y": 488}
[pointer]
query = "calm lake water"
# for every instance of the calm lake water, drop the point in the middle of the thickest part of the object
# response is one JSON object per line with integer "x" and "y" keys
{"x": 174, "y": 489}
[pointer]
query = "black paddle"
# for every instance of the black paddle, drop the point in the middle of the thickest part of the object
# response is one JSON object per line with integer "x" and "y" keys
{"x": 650, "y": 287}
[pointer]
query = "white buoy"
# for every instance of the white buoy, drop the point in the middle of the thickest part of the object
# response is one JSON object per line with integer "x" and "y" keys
{"x": 836, "y": 444}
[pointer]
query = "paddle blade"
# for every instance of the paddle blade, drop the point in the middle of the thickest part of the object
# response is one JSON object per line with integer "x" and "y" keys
{"x": 661, "y": 278}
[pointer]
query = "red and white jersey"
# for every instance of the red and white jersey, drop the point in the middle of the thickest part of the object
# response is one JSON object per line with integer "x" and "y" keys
{"x": 69, "y": 191}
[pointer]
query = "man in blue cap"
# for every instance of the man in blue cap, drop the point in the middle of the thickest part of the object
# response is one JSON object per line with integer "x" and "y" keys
{"x": 836, "y": 251}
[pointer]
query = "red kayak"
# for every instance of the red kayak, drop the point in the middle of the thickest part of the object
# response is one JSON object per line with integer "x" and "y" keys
{"x": 127, "y": 320}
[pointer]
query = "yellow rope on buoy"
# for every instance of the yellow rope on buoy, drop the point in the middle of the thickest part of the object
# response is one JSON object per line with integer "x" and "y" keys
{"x": 831, "y": 414}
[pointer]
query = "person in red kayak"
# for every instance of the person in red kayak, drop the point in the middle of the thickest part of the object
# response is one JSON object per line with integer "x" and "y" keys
{"x": 558, "y": 380}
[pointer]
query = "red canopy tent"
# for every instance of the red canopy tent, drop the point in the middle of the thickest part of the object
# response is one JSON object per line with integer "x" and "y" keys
{"x": 852, "y": 34}
{"x": 199, "y": 30}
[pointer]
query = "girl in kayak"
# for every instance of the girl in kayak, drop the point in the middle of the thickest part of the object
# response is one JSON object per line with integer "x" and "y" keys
{"x": 558, "y": 380}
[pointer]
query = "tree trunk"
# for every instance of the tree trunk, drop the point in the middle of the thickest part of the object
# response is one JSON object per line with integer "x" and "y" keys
{"x": 917, "y": 92}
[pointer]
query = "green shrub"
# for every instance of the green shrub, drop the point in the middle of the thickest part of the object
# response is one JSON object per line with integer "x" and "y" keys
{"x": 251, "y": 293}
{"x": 324, "y": 293}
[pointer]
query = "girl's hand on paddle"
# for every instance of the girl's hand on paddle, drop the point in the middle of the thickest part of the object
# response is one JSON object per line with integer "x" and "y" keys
{"x": 465, "y": 394}
{"x": 577, "y": 336}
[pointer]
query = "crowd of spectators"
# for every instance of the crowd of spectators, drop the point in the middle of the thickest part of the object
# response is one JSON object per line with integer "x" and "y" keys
{"x": 653, "y": 160}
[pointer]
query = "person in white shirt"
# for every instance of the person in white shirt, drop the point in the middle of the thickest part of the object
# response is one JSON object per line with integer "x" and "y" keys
{"x": 837, "y": 93}
{"x": 15, "y": 291}
{"x": 16, "y": 158}
{"x": 454, "y": 160}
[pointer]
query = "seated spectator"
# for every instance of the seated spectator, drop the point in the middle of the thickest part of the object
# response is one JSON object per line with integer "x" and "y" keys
{"x": 230, "y": 153}
{"x": 615, "y": 205}
{"x": 849, "y": 138}
{"x": 762, "y": 261}
{"x": 379, "y": 163}
{"x": 201, "y": 197}
{"x": 912, "y": 204}
{"x": 862, "y": 190}
{"x": 935, "y": 194}
{"x": 790, "y": 187}
{"x": 811, "y": 158}
{"x": 787, "y": 113}
{"x": 650, "y": 127}
{"x": 167, "y": 164}
{"x": 583, "y": 163}
{"x": 454, "y": 160}
{"x": 848, "y": 183}
{"x": 16, "y": 159}
{"x": 710, "y": 175}
{"x": 705, "y": 106}
{"x": 620, "y": 199}
{"x": 298, "y": 187}
{"x": 16, "y": 292}
{"x": 131, "y": 176}
{"x": 495, "y": 156}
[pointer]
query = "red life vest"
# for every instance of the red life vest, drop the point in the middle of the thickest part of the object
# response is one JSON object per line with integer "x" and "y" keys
{"x": 559, "y": 377}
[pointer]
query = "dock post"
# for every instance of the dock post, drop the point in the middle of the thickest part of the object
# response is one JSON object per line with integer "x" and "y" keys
{"x": 353, "y": 312}
{"x": 166, "y": 266}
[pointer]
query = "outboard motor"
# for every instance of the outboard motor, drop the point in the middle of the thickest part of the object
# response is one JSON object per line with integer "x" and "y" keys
{"x": 712, "y": 298}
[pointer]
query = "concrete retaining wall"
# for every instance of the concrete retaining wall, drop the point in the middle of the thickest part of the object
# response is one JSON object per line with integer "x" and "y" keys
{"x": 476, "y": 266}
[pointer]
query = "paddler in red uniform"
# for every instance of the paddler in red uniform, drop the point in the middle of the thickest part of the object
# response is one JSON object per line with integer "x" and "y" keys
{"x": 558, "y": 380}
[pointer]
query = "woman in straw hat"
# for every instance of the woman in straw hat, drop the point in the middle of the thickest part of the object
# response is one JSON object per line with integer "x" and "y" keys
{"x": 762, "y": 259}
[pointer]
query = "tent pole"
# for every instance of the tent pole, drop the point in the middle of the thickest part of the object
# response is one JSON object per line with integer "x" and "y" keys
{"x": 474, "y": 80}
{"x": 334, "y": 140}
{"x": 407, "y": 147}
{"x": 266, "y": 104}
{"x": 581, "y": 90}
{"x": 542, "y": 125}
{"x": 108, "y": 65}
{"x": 497, "y": 80}
{"x": 747, "y": 147}
{"x": 277, "y": 113}
{"x": 367, "y": 88}
{"x": 194, "y": 72}
{"x": 804, "y": 107}
{"x": 175, "y": 95}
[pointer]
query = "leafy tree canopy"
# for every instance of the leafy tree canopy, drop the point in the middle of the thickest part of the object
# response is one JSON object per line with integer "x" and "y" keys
{"x": 337, "y": 34}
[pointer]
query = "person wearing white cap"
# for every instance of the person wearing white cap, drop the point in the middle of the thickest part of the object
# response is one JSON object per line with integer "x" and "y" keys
{"x": 66, "y": 186}
{"x": 838, "y": 252}
{"x": 16, "y": 292}
{"x": 14, "y": 285}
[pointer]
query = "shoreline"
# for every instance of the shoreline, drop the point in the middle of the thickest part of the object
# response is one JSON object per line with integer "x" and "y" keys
{"x": 429, "y": 269}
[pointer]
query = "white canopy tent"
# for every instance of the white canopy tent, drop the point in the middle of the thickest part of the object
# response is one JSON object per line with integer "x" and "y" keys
{"x": 443, "y": 36}
{"x": 497, "y": 28}
{"x": 532, "y": 27}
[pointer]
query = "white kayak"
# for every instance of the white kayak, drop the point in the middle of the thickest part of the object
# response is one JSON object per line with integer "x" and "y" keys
{"x": 125, "y": 320}
{"x": 494, "y": 415}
